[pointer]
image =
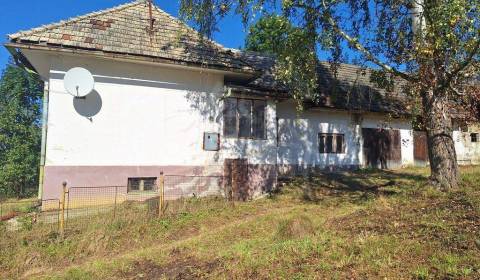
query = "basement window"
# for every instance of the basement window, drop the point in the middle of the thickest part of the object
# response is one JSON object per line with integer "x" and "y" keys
{"x": 474, "y": 137}
{"x": 331, "y": 143}
{"x": 142, "y": 184}
{"x": 244, "y": 118}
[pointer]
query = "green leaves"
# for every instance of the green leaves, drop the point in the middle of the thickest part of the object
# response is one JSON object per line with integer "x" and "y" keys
{"x": 20, "y": 132}
{"x": 269, "y": 35}
{"x": 295, "y": 49}
{"x": 444, "y": 55}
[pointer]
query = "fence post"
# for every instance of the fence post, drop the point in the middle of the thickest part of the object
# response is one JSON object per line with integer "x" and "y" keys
{"x": 62, "y": 209}
{"x": 161, "y": 197}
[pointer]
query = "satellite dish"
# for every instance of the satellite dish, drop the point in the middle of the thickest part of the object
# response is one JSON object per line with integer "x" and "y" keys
{"x": 78, "y": 82}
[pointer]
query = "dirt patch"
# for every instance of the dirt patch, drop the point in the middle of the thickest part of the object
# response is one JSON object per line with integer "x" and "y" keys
{"x": 184, "y": 232}
{"x": 179, "y": 266}
{"x": 380, "y": 222}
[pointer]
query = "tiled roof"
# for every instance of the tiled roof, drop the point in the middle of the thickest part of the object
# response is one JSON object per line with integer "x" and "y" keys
{"x": 125, "y": 29}
{"x": 265, "y": 64}
{"x": 350, "y": 88}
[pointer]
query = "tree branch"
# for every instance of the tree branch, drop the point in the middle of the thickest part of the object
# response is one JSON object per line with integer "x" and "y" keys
{"x": 456, "y": 91}
{"x": 362, "y": 49}
{"x": 462, "y": 66}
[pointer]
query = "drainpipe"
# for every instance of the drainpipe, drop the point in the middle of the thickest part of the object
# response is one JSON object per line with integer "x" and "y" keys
{"x": 44, "y": 139}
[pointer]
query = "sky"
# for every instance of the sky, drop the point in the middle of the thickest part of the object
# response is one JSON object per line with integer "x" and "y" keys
{"x": 26, "y": 14}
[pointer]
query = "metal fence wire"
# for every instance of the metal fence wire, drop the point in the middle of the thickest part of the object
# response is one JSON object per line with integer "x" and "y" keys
{"x": 88, "y": 201}
{"x": 49, "y": 213}
{"x": 166, "y": 196}
{"x": 80, "y": 207}
{"x": 25, "y": 214}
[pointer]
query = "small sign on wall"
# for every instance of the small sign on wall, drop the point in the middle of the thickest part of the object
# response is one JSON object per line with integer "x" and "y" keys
{"x": 211, "y": 141}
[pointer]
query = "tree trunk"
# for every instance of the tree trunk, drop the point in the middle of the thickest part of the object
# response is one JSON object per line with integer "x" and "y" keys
{"x": 441, "y": 147}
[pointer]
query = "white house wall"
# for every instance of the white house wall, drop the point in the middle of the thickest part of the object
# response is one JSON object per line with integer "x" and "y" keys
{"x": 140, "y": 120}
{"x": 298, "y": 136}
{"x": 148, "y": 116}
{"x": 468, "y": 152}
{"x": 144, "y": 119}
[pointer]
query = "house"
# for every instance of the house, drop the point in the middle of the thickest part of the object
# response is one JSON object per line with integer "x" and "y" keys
{"x": 167, "y": 100}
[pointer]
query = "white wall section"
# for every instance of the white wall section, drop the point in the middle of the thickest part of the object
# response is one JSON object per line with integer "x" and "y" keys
{"x": 298, "y": 136}
{"x": 143, "y": 115}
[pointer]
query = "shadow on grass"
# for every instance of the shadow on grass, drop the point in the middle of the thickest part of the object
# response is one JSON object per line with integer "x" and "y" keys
{"x": 353, "y": 186}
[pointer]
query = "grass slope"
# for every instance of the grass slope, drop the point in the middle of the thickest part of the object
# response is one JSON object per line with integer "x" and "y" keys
{"x": 360, "y": 225}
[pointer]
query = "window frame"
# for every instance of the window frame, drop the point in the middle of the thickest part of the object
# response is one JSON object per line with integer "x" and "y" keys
{"x": 334, "y": 145}
{"x": 476, "y": 136}
{"x": 252, "y": 118}
{"x": 130, "y": 179}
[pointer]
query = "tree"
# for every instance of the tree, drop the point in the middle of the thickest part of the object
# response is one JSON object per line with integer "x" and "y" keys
{"x": 275, "y": 35}
{"x": 269, "y": 34}
{"x": 20, "y": 131}
{"x": 433, "y": 45}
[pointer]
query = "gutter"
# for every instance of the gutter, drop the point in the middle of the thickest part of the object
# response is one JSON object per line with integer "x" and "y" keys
{"x": 231, "y": 88}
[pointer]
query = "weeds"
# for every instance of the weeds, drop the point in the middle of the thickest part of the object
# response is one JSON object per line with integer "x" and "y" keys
{"x": 295, "y": 227}
{"x": 354, "y": 225}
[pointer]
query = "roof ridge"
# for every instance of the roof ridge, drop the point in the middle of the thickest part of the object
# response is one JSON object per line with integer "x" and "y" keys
{"x": 125, "y": 33}
{"x": 74, "y": 19}
{"x": 215, "y": 43}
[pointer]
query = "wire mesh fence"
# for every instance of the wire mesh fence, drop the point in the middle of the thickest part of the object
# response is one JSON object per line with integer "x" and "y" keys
{"x": 144, "y": 198}
{"x": 24, "y": 214}
{"x": 141, "y": 199}
{"x": 88, "y": 201}
{"x": 48, "y": 213}
{"x": 103, "y": 205}
{"x": 8, "y": 208}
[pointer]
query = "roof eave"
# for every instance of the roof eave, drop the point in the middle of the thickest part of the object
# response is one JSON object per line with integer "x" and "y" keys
{"x": 394, "y": 114}
{"x": 257, "y": 92}
{"x": 20, "y": 59}
{"x": 126, "y": 56}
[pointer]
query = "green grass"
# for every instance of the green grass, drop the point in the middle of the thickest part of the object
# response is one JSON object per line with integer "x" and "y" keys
{"x": 17, "y": 205}
{"x": 361, "y": 225}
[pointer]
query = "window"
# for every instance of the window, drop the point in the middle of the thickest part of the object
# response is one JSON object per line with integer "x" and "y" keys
{"x": 258, "y": 124}
{"x": 142, "y": 184}
{"x": 474, "y": 137}
{"x": 230, "y": 117}
{"x": 244, "y": 118}
{"x": 331, "y": 143}
{"x": 244, "y": 110}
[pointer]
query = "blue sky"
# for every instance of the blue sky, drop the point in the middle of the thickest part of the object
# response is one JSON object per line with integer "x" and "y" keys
{"x": 25, "y": 14}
